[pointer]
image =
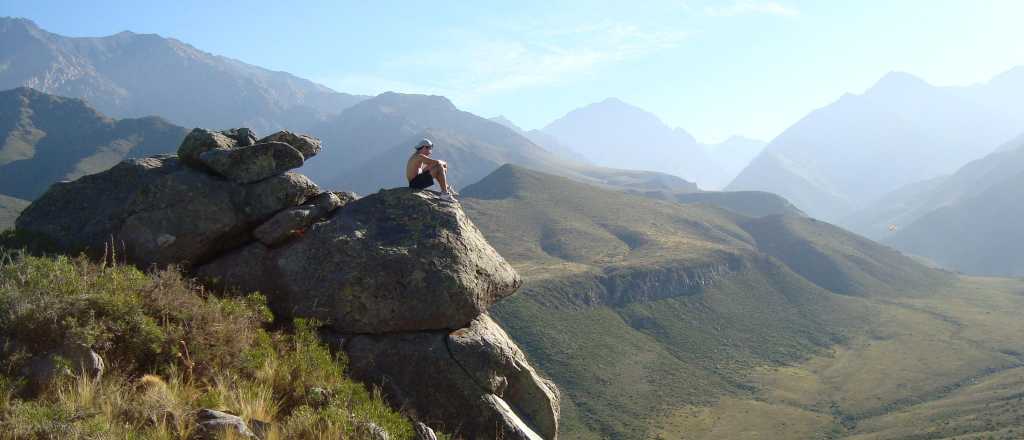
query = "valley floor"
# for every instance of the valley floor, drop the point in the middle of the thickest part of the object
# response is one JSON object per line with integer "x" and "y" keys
{"x": 948, "y": 365}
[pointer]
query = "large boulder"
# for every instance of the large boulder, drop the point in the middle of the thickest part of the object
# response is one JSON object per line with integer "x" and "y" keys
{"x": 497, "y": 365}
{"x": 398, "y": 260}
{"x": 158, "y": 211}
{"x": 254, "y": 162}
{"x": 201, "y": 140}
{"x": 420, "y": 373}
{"x": 309, "y": 146}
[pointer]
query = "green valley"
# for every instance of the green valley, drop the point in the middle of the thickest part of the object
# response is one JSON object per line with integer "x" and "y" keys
{"x": 689, "y": 321}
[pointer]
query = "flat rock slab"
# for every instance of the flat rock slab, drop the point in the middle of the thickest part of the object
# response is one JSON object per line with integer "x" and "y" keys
{"x": 252, "y": 163}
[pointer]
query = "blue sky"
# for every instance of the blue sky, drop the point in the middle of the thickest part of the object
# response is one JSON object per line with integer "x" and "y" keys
{"x": 715, "y": 68}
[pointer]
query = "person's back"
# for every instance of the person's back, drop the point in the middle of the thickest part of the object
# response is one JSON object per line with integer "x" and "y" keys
{"x": 421, "y": 170}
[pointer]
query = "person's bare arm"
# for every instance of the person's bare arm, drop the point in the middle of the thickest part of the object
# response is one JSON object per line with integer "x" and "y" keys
{"x": 428, "y": 161}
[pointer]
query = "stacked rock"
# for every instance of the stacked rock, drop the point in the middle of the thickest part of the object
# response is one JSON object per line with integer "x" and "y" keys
{"x": 184, "y": 209}
{"x": 401, "y": 279}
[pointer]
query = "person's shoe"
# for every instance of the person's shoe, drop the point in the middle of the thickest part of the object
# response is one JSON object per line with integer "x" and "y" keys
{"x": 452, "y": 191}
{"x": 447, "y": 196}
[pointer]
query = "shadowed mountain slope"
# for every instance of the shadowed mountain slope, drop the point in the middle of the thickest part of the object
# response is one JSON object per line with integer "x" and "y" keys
{"x": 980, "y": 234}
{"x": 133, "y": 75}
{"x": 905, "y": 205}
{"x": 966, "y": 221}
{"x": 636, "y": 306}
{"x": 49, "y": 138}
{"x": 748, "y": 203}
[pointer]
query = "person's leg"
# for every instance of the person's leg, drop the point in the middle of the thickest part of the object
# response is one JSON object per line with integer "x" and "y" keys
{"x": 440, "y": 174}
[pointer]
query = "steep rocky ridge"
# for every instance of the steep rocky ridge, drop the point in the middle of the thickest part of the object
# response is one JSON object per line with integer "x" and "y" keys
{"x": 394, "y": 276}
{"x": 634, "y": 315}
{"x": 134, "y": 75}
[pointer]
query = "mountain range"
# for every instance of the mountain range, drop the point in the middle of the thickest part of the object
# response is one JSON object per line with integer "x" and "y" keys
{"x": 368, "y": 143}
{"x": 129, "y": 75}
{"x": 49, "y": 138}
{"x": 613, "y": 133}
{"x": 977, "y": 204}
{"x": 842, "y": 157}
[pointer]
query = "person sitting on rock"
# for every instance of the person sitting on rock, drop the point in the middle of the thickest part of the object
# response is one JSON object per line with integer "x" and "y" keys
{"x": 421, "y": 170}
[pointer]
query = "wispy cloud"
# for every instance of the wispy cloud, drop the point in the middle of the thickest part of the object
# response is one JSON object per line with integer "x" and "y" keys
{"x": 479, "y": 65}
{"x": 745, "y": 7}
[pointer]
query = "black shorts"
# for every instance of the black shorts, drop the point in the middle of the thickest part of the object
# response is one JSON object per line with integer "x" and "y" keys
{"x": 422, "y": 180}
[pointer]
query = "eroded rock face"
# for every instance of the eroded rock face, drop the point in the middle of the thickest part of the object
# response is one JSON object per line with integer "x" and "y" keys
{"x": 419, "y": 372}
{"x": 158, "y": 211}
{"x": 400, "y": 260}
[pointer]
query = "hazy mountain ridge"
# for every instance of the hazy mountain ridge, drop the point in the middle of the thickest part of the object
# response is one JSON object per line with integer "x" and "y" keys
{"x": 133, "y": 75}
{"x": 978, "y": 205}
{"x": 733, "y": 155}
{"x": 902, "y": 130}
{"x": 543, "y": 139}
{"x": 49, "y": 138}
{"x": 366, "y": 147}
{"x": 616, "y": 134}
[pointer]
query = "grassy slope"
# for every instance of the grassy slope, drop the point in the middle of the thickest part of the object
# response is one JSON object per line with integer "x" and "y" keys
{"x": 945, "y": 366}
{"x": 627, "y": 358}
{"x": 10, "y": 207}
{"x": 170, "y": 349}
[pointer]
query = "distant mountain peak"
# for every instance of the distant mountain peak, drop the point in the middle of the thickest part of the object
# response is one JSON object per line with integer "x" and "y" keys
{"x": 897, "y": 81}
{"x": 501, "y": 119}
{"x": 412, "y": 99}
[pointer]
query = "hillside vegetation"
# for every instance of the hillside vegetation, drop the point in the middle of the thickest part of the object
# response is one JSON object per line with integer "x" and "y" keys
{"x": 638, "y": 307}
{"x": 170, "y": 348}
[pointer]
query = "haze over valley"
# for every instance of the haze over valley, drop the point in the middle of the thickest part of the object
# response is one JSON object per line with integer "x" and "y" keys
{"x": 711, "y": 220}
